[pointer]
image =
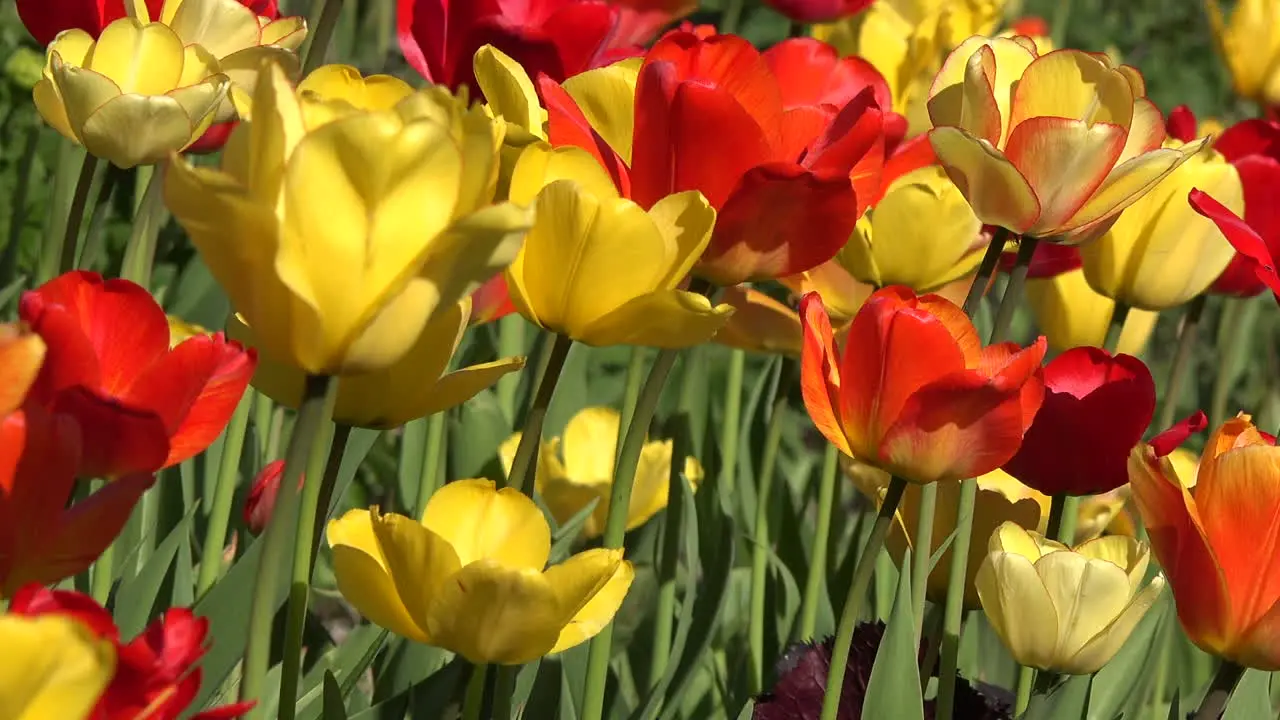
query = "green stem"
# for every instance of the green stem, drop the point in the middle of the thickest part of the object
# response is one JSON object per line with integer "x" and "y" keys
{"x": 504, "y": 689}
{"x": 1061, "y": 19}
{"x": 139, "y": 254}
{"x": 275, "y": 433}
{"x": 852, "y": 610}
{"x": 473, "y": 706}
{"x": 922, "y": 543}
{"x": 667, "y": 553}
{"x": 1238, "y": 316}
{"x": 760, "y": 542}
{"x": 75, "y": 216}
{"x": 432, "y": 475}
{"x": 616, "y": 522}
{"x": 18, "y": 216}
{"x": 319, "y": 38}
{"x": 986, "y": 269}
{"x": 1026, "y": 679}
{"x": 630, "y": 392}
{"x": 1014, "y": 290}
{"x": 1215, "y": 700}
{"x": 815, "y": 583}
{"x": 1183, "y": 358}
{"x": 511, "y": 342}
{"x": 314, "y": 413}
{"x": 149, "y": 521}
{"x": 223, "y": 496}
{"x": 262, "y": 412}
{"x": 730, "y": 17}
{"x": 337, "y": 450}
{"x": 525, "y": 460}
{"x": 731, "y": 422}
{"x": 95, "y": 235}
{"x": 104, "y": 567}
{"x": 1115, "y": 329}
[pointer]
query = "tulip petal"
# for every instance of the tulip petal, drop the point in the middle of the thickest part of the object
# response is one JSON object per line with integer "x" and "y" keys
{"x": 481, "y": 522}
{"x": 21, "y": 355}
{"x": 1128, "y": 181}
{"x": 685, "y": 220}
{"x": 606, "y": 97}
{"x": 53, "y": 667}
{"x": 89, "y": 527}
{"x": 997, "y": 192}
{"x": 1241, "y": 235}
{"x": 970, "y": 103}
{"x": 759, "y": 323}
{"x": 139, "y": 58}
{"x": 1099, "y": 651}
{"x": 1064, "y": 162}
{"x": 670, "y": 319}
{"x": 507, "y": 88}
{"x": 1260, "y": 645}
{"x": 420, "y": 562}
{"x": 363, "y": 576}
{"x": 1088, "y": 595}
{"x": 820, "y": 381}
{"x": 1011, "y": 591}
{"x": 540, "y": 165}
{"x": 489, "y": 613}
{"x": 459, "y": 386}
{"x": 590, "y": 587}
{"x": 567, "y": 126}
{"x": 590, "y": 443}
{"x": 714, "y": 142}
{"x": 1074, "y": 85}
{"x": 117, "y": 438}
{"x": 1146, "y": 130}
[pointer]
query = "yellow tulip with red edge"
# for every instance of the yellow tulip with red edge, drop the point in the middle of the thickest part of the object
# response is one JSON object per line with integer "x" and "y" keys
{"x": 1047, "y": 145}
{"x": 52, "y": 666}
{"x": 134, "y": 95}
{"x": 472, "y": 576}
{"x": 340, "y": 232}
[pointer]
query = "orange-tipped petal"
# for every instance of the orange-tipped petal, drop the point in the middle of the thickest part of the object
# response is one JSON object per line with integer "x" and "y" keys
{"x": 21, "y": 354}
{"x": 820, "y": 373}
{"x": 1064, "y": 161}
{"x": 997, "y": 192}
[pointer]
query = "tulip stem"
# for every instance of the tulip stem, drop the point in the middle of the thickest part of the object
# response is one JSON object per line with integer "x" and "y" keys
{"x": 511, "y": 341}
{"x": 1026, "y": 679}
{"x": 852, "y": 610}
{"x": 760, "y": 543}
{"x": 75, "y": 216}
{"x": 615, "y": 528}
{"x": 922, "y": 542}
{"x": 1215, "y": 700}
{"x": 731, "y": 422}
{"x": 986, "y": 270}
{"x": 667, "y": 553}
{"x": 150, "y": 216}
{"x": 104, "y": 567}
{"x": 730, "y": 17}
{"x": 953, "y": 610}
{"x": 630, "y": 393}
{"x": 1182, "y": 361}
{"x": 1119, "y": 315}
{"x": 815, "y": 583}
{"x": 1064, "y": 510}
{"x": 480, "y": 690}
{"x": 432, "y": 475}
{"x": 1238, "y": 318}
{"x": 525, "y": 460}
{"x": 1014, "y": 290}
{"x": 223, "y": 497}
{"x": 337, "y": 450}
{"x": 319, "y": 394}
{"x": 319, "y": 38}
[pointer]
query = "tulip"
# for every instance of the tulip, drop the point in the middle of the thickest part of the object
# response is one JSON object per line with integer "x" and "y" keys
{"x": 417, "y": 385}
{"x": 21, "y": 355}
{"x": 52, "y": 667}
{"x": 1249, "y": 43}
{"x": 759, "y": 324}
{"x": 817, "y": 11}
{"x": 914, "y": 393}
{"x": 134, "y": 95}
{"x": 1092, "y": 400}
{"x": 491, "y": 301}
{"x": 140, "y": 405}
{"x": 1048, "y": 261}
{"x": 261, "y": 500}
{"x": 1258, "y": 257}
{"x": 1207, "y": 538}
{"x": 1064, "y": 609}
{"x": 1071, "y": 314}
{"x": 1047, "y": 145}
{"x": 578, "y": 469}
{"x": 558, "y": 38}
{"x": 317, "y": 226}
{"x": 470, "y": 577}
{"x": 1159, "y": 254}
{"x": 599, "y": 269}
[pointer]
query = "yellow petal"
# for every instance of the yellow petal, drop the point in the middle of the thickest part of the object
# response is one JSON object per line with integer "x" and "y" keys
{"x": 1019, "y": 608}
{"x": 482, "y": 522}
{"x": 1146, "y": 130}
{"x": 509, "y": 90}
{"x": 1128, "y": 181}
{"x": 49, "y": 104}
{"x": 52, "y": 667}
{"x": 1075, "y": 85}
{"x": 1088, "y": 595}
{"x": 970, "y": 103}
{"x": 490, "y": 613}
{"x": 363, "y": 577}
{"x": 287, "y": 32}
{"x": 199, "y": 64}
{"x": 343, "y": 82}
{"x": 243, "y": 67}
{"x": 540, "y": 165}
{"x": 549, "y": 470}
{"x": 996, "y": 191}
{"x": 257, "y": 151}
{"x": 1099, "y": 651}
{"x": 685, "y": 220}
{"x": 135, "y": 130}
{"x": 590, "y": 587}
{"x": 138, "y": 58}
{"x": 759, "y": 323}
{"x": 420, "y": 562}
{"x": 71, "y": 46}
{"x": 652, "y": 487}
{"x": 461, "y": 385}
{"x": 222, "y": 27}
{"x": 670, "y": 319}
{"x": 1072, "y": 314}
{"x": 1064, "y": 161}
{"x": 606, "y": 97}
{"x": 1122, "y": 551}
{"x": 81, "y": 93}
{"x": 590, "y": 443}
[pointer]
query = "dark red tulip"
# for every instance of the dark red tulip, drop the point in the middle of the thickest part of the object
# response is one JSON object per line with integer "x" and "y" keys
{"x": 140, "y": 405}
{"x": 558, "y": 38}
{"x": 1258, "y": 259}
{"x": 1253, "y": 147}
{"x": 818, "y": 11}
{"x": 1096, "y": 408}
{"x": 261, "y": 500}
{"x": 1049, "y": 260}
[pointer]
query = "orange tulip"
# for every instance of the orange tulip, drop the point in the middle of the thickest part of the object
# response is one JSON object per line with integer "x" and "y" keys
{"x": 1217, "y": 541}
{"x": 915, "y": 393}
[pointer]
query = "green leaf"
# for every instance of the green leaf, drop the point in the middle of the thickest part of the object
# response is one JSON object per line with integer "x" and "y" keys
{"x": 1175, "y": 707}
{"x": 347, "y": 661}
{"x": 474, "y": 434}
{"x": 1128, "y": 675}
{"x": 1251, "y": 698}
{"x": 334, "y": 707}
{"x": 1068, "y": 701}
{"x": 566, "y": 535}
{"x": 433, "y": 694}
{"x": 748, "y": 710}
{"x": 894, "y": 687}
{"x": 137, "y": 594}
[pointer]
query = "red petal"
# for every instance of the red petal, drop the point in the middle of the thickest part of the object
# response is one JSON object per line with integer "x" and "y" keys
{"x": 491, "y": 301}
{"x": 46, "y": 18}
{"x": 652, "y": 154}
{"x": 226, "y": 712}
{"x": 420, "y": 27}
{"x": 1249, "y": 137}
{"x": 117, "y": 439}
{"x": 213, "y": 139}
{"x": 1181, "y": 124}
{"x": 579, "y": 32}
{"x": 92, "y": 524}
{"x": 818, "y": 11}
{"x": 1260, "y": 175}
{"x": 810, "y": 72}
{"x": 34, "y": 600}
{"x": 819, "y": 371}
{"x": 780, "y": 220}
{"x": 1169, "y": 440}
{"x": 567, "y": 125}
{"x": 910, "y": 155}
{"x": 729, "y": 64}
{"x": 1243, "y": 238}
{"x": 1049, "y": 260}
{"x": 714, "y": 142}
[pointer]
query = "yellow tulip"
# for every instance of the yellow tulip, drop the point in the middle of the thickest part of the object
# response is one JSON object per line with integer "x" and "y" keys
{"x": 1047, "y": 145}
{"x": 513, "y": 98}
{"x": 339, "y": 232}
{"x": 599, "y": 268}
{"x": 417, "y": 385}
{"x": 134, "y": 95}
{"x": 180, "y": 330}
{"x": 52, "y": 667}
{"x": 470, "y": 577}
{"x": 578, "y": 469}
{"x": 1064, "y": 609}
{"x": 1160, "y": 253}
{"x": 1249, "y": 43}
{"x": 1001, "y": 499}
{"x": 1072, "y": 314}
{"x": 921, "y": 234}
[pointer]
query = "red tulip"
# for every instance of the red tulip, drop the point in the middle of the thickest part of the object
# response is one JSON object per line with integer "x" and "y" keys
{"x": 1048, "y": 260}
{"x": 1258, "y": 259}
{"x": 21, "y": 355}
{"x": 1096, "y": 408}
{"x": 818, "y": 11}
{"x": 914, "y": 392}
{"x": 558, "y": 38}
{"x": 46, "y": 18}
{"x": 157, "y": 673}
{"x": 1253, "y": 147}
{"x": 777, "y": 142}
{"x": 491, "y": 301}
{"x": 140, "y": 405}
{"x": 261, "y": 501}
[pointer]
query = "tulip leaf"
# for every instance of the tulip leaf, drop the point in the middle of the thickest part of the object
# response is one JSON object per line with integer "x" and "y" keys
{"x": 347, "y": 662}
{"x": 334, "y": 706}
{"x": 197, "y": 298}
{"x": 434, "y": 693}
{"x": 1068, "y": 701}
{"x": 894, "y": 687}
{"x": 1124, "y": 682}
{"x": 1251, "y": 698}
{"x": 1175, "y": 707}
{"x": 473, "y": 437}
{"x": 10, "y": 291}
{"x": 748, "y": 710}
{"x": 137, "y": 594}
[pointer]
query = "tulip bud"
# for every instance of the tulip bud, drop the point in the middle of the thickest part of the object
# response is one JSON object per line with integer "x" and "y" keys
{"x": 261, "y": 501}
